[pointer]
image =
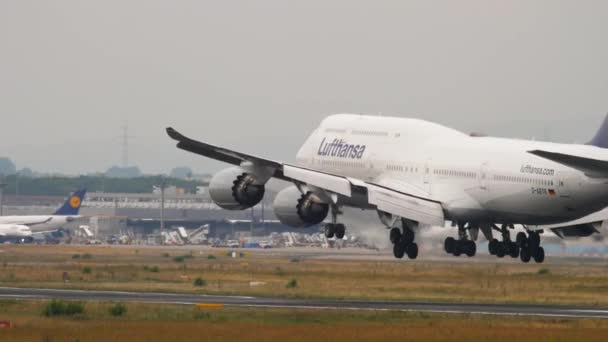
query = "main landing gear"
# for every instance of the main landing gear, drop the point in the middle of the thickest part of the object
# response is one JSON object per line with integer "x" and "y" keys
{"x": 524, "y": 247}
{"x": 461, "y": 246}
{"x": 530, "y": 247}
{"x": 403, "y": 241}
{"x": 334, "y": 228}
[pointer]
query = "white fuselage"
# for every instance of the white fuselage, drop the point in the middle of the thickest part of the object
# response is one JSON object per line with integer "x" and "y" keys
{"x": 38, "y": 223}
{"x": 14, "y": 231}
{"x": 477, "y": 179}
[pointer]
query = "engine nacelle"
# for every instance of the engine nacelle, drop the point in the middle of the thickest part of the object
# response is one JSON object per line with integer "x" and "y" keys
{"x": 235, "y": 189}
{"x": 295, "y": 209}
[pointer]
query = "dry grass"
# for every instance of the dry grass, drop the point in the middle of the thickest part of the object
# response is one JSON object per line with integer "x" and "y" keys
{"x": 149, "y": 322}
{"x": 123, "y": 269}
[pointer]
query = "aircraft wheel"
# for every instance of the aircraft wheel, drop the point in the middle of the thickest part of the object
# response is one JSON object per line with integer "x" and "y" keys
{"x": 395, "y": 235}
{"x": 407, "y": 237}
{"x": 534, "y": 240}
{"x": 412, "y": 250}
{"x": 471, "y": 248}
{"x": 514, "y": 250}
{"x": 399, "y": 250}
{"x": 501, "y": 249}
{"x": 524, "y": 255}
{"x": 340, "y": 231}
{"x": 539, "y": 256}
{"x": 457, "y": 249}
{"x": 330, "y": 230}
{"x": 493, "y": 246}
{"x": 449, "y": 244}
{"x": 521, "y": 239}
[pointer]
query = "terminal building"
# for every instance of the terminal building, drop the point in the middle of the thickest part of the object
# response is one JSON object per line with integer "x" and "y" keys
{"x": 140, "y": 215}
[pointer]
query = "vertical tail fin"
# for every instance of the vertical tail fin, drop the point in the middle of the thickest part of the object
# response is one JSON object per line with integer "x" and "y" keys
{"x": 72, "y": 204}
{"x": 601, "y": 137}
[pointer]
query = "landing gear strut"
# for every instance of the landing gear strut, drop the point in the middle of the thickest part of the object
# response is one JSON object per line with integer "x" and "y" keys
{"x": 403, "y": 241}
{"x": 334, "y": 228}
{"x": 506, "y": 246}
{"x": 461, "y": 246}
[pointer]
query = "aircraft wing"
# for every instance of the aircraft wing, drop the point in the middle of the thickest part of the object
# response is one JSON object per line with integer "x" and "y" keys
{"x": 584, "y": 226}
{"x": 35, "y": 223}
{"x": 45, "y": 232}
{"x": 591, "y": 167}
{"x": 384, "y": 197}
{"x": 216, "y": 152}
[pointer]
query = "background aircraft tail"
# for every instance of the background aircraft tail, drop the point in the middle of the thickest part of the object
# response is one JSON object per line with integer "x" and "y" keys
{"x": 72, "y": 204}
{"x": 601, "y": 137}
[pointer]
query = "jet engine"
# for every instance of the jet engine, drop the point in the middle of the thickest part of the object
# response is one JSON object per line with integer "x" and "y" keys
{"x": 235, "y": 189}
{"x": 295, "y": 209}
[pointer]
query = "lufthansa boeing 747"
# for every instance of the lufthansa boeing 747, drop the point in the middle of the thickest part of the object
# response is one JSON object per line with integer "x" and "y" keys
{"x": 416, "y": 173}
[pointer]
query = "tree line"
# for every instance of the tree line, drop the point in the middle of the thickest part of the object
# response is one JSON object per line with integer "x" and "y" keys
{"x": 61, "y": 186}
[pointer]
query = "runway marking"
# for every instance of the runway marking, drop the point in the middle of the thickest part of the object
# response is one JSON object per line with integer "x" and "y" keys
{"x": 209, "y": 305}
{"x": 140, "y": 294}
{"x": 315, "y": 304}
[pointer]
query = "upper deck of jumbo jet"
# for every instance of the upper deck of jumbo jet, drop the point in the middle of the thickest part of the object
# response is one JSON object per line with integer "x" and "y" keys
{"x": 389, "y": 126}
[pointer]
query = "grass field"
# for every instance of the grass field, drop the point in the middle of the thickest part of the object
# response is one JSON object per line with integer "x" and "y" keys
{"x": 267, "y": 274}
{"x": 150, "y": 322}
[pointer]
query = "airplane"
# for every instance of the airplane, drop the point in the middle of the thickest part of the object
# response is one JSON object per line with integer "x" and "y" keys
{"x": 40, "y": 224}
{"x": 416, "y": 174}
{"x": 15, "y": 232}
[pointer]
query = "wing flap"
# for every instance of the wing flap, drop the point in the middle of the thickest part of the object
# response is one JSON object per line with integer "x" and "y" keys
{"x": 407, "y": 206}
{"x": 585, "y": 226}
{"x": 336, "y": 184}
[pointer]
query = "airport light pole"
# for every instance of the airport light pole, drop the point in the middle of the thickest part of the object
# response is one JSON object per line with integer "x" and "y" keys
{"x": 163, "y": 185}
{"x": 2, "y": 186}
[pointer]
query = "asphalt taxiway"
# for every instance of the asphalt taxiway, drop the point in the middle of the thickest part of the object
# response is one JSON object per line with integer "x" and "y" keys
{"x": 262, "y": 302}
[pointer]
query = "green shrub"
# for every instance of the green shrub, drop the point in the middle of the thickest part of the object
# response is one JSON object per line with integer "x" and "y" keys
{"x": 292, "y": 284}
{"x": 87, "y": 270}
{"x": 294, "y": 260}
{"x": 153, "y": 269}
{"x": 182, "y": 258}
{"x": 544, "y": 271}
{"x": 211, "y": 257}
{"x": 118, "y": 310}
{"x": 74, "y": 308}
{"x": 200, "y": 282}
{"x": 87, "y": 256}
{"x": 58, "y": 307}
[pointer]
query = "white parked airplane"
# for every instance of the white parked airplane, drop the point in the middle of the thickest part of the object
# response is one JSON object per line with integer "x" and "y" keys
{"x": 15, "y": 232}
{"x": 416, "y": 173}
{"x": 39, "y": 224}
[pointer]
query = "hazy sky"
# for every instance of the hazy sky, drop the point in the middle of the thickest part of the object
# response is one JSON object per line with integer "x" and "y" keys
{"x": 259, "y": 75}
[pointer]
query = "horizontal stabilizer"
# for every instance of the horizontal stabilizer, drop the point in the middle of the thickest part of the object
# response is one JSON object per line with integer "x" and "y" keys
{"x": 591, "y": 167}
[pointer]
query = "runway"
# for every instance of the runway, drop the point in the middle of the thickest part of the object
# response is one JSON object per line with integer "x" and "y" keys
{"x": 242, "y": 301}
